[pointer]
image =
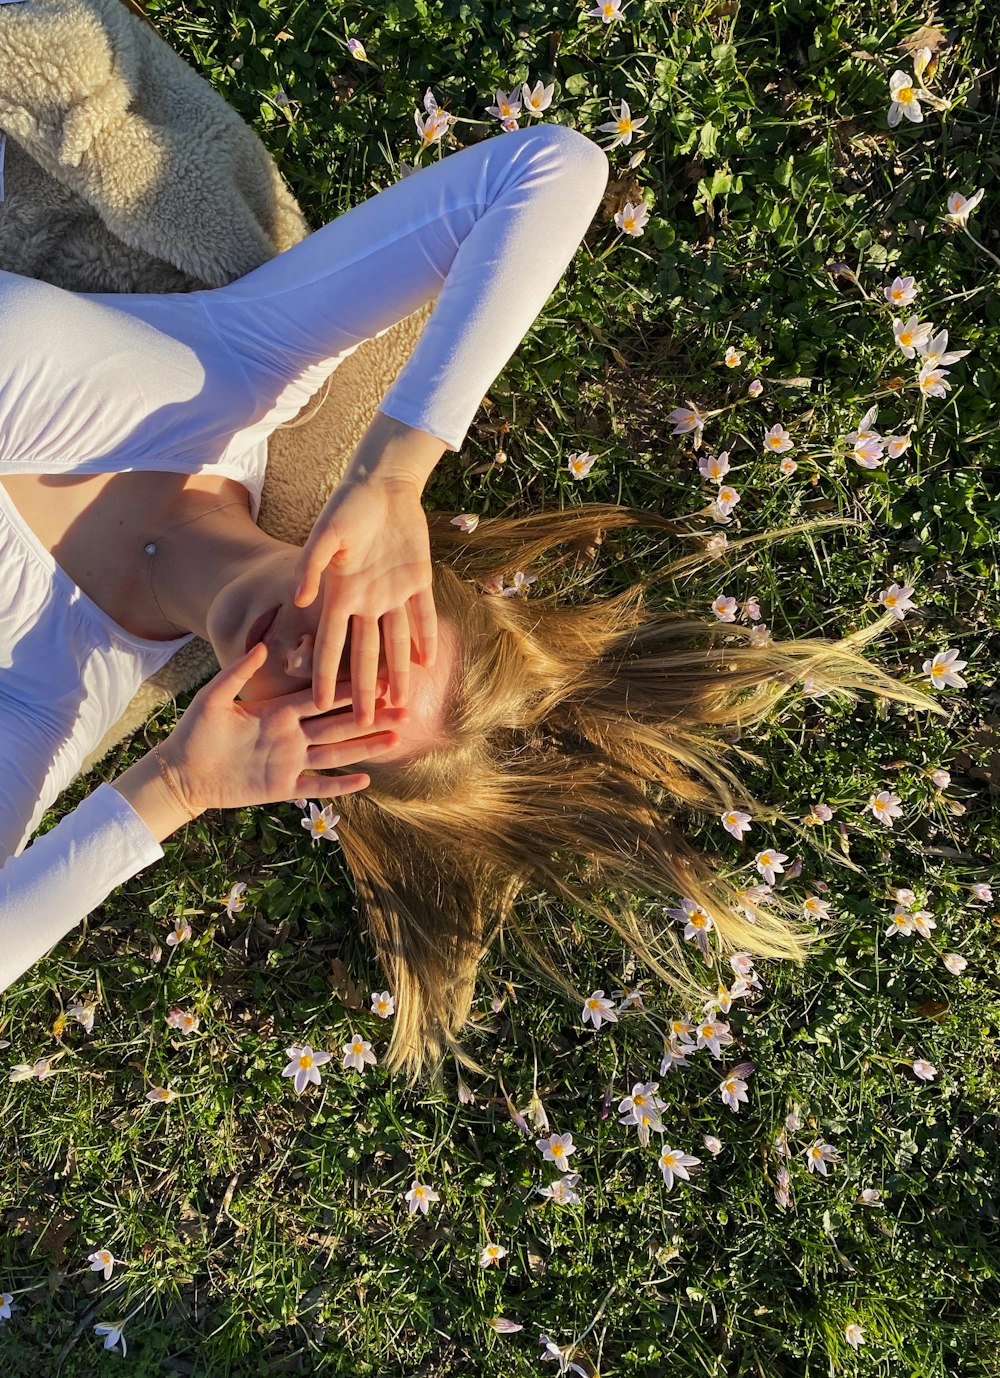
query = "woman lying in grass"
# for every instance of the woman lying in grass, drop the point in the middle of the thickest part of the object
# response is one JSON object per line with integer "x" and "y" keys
{"x": 519, "y": 740}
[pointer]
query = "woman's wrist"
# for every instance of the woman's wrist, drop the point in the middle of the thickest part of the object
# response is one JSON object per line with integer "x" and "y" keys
{"x": 160, "y": 808}
{"x": 394, "y": 453}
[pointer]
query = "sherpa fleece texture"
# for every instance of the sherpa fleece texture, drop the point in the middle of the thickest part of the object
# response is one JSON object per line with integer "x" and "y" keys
{"x": 126, "y": 172}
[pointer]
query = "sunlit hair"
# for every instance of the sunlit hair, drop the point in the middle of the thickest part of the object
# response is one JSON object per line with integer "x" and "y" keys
{"x": 575, "y": 733}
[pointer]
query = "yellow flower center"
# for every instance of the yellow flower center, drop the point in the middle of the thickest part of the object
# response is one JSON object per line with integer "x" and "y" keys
{"x": 556, "y": 1150}
{"x": 774, "y": 441}
{"x": 320, "y": 824}
{"x": 356, "y": 1048}
{"x": 628, "y": 222}
{"x": 906, "y": 338}
{"x": 639, "y": 1100}
{"x": 904, "y": 95}
{"x": 624, "y": 126}
{"x": 765, "y": 859}
{"x": 668, "y": 1159}
{"x": 305, "y": 1061}
{"x": 891, "y": 599}
{"x": 697, "y": 920}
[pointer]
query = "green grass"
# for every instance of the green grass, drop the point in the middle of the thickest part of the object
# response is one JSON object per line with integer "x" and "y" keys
{"x": 266, "y": 1233}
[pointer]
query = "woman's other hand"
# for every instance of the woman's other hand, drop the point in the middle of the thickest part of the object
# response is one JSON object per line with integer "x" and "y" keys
{"x": 229, "y": 754}
{"x": 372, "y": 543}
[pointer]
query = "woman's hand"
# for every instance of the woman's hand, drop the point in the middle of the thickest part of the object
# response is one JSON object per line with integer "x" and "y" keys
{"x": 371, "y": 542}
{"x": 227, "y": 754}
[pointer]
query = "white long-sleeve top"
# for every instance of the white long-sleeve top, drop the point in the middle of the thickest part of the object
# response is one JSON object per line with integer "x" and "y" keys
{"x": 195, "y": 382}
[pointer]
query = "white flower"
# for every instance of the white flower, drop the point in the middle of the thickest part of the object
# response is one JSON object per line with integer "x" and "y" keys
{"x": 713, "y": 1144}
{"x": 736, "y": 823}
{"x": 870, "y": 1197}
{"x": 102, "y": 1261}
{"x": 419, "y": 1197}
{"x": 181, "y": 932}
{"x": 304, "y": 1066}
{"x": 733, "y": 1091}
{"x": 607, "y": 10}
{"x": 961, "y": 207}
{"x": 818, "y": 1155}
{"x": 955, "y": 962}
{"x": 632, "y": 219}
{"x": 467, "y": 522}
{"x": 580, "y": 465}
{"x": 521, "y": 581}
{"x": 854, "y": 1335}
{"x": 896, "y": 444}
{"x": 182, "y": 1020}
{"x": 503, "y": 1326}
{"x": 911, "y": 334}
{"x": 714, "y": 1034}
{"x": 768, "y": 864}
{"x": 697, "y": 922}
{"x": 885, "y": 807}
{"x": 926, "y": 1071}
{"x": 114, "y": 1335}
{"x": 556, "y": 1148}
{"x": 84, "y": 1014}
{"x": 506, "y": 108}
{"x": 922, "y": 922}
{"x": 818, "y": 908}
{"x": 792, "y": 1122}
{"x": 431, "y": 129}
{"x": 897, "y": 600}
{"x": 233, "y": 902}
{"x": 724, "y": 608}
{"x": 761, "y": 634}
{"x": 901, "y": 924}
{"x": 490, "y": 1254}
{"x": 538, "y": 98}
{"x": 597, "y": 1007}
{"x": 777, "y": 440}
{"x": 733, "y": 357}
{"x": 357, "y": 50}
{"x": 161, "y": 1093}
{"x": 675, "y": 1163}
{"x": 321, "y": 822}
{"x": 979, "y": 890}
{"x": 941, "y": 778}
{"x": 787, "y": 466}
{"x": 642, "y": 1108}
{"x": 563, "y": 1190}
{"x": 684, "y": 419}
{"x": 358, "y": 1053}
{"x": 725, "y": 500}
{"x": 714, "y": 467}
{"x": 936, "y": 354}
{"x": 944, "y": 668}
{"x": 383, "y": 1004}
{"x": 933, "y": 382}
{"x": 905, "y": 99}
{"x": 622, "y": 126}
{"x": 783, "y": 1192}
{"x": 755, "y": 388}
{"x": 901, "y": 291}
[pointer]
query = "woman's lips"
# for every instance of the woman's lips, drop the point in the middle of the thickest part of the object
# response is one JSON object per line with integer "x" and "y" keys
{"x": 260, "y": 628}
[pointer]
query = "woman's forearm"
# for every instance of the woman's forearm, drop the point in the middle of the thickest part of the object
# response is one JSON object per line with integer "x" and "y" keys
{"x": 391, "y": 450}
{"x": 143, "y": 785}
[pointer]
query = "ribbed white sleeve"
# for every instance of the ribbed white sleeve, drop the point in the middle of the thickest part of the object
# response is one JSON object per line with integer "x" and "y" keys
{"x": 65, "y": 874}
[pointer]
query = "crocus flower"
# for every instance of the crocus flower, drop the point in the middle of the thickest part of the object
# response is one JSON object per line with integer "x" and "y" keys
{"x": 733, "y": 1091}
{"x": 520, "y": 581}
{"x": 321, "y": 822}
{"x": 714, "y": 1035}
{"x": 870, "y": 1197}
{"x": 491, "y": 1254}
{"x": 556, "y": 1148}
{"x": 467, "y": 522}
{"x": 926, "y": 1071}
{"x": 503, "y": 1326}
{"x": 84, "y": 1014}
{"x": 304, "y": 1066}
{"x": 768, "y": 863}
{"x": 181, "y": 932}
{"x": 818, "y": 908}
{"x": 714, "y": 467}
{"x": 941, "y": 778}
{"x": 357, "y": 50}
{"x": 933, "y": 382}
{"x": 982, "y": 892}
{"x": 113, "y": 1334}
{"x": 506, "y": 107}
{"x": 431, "y": 128}
{"x": 597, "y": 1008}
{"x": 724, "y": 608}
{"x": 580, "y": 465}
{"x": 183, "y": 1021}
{"x": 697, "y": 922}
{"x": 419, "y": 1197}
{"x": 673, "y": 1162}
{"x": 818, "y": 1155}
{"x": 736, "y": 823}
{"x": 955, "y": 962}
{"x": 357, "y": 1054}
{"x": 233, "y": 902}
{"x": 777, "y": 440}
{"x": 901, "y": 291}
{"x": 885, "y": 807}
{"x": 961, "y": 207}
{"x": 911, "y": 334}
{"x": 725, "y": 500}
{"x": 102, "y": 1261}
{"x": 622, "y": 126}
{"x": 161, "y": 1094}
{"x": 713, "y": 1144}
{"x": 854, "y": 1335}
{"x": 642, "y": 1104}
{"x": 905, "y": 99}
{"x": 944, "y": 668}
{"x": 685, "y": 419}
{"x": 787, "y": 466}
{"x": 897, "y": 599}
{"x": 383, "y": 1004}
{"x": 536, "y": 100}
{"x": 755, "y": 388}
{"x": 783, "y": 1190}
{"x": 901, "y": 924}
{"x": 5, "y": 1303}
{"x": 935, "y": 352}
{"x": 923, "y": 922}
{"x": 607, "y": 10}
{"x": 733, "y": 357}
{"x": 632, "y": 219}
{"x": 563, "y": 1191}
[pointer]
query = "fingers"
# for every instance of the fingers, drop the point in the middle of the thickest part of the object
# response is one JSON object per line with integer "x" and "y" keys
{"x": 424, "y": 617}
{"x": 228, "y": 683}
{"x": 396, "y": 640}
{"x": 318, "y": 551}
{"x": 326, "y": 731}
{"x": 326, "y": 756}
{"x": 328, "y": 651}
{"x": 365, "y": 646}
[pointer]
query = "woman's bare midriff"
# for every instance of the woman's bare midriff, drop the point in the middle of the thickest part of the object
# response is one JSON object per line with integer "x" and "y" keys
{"x": 95, "y": 527}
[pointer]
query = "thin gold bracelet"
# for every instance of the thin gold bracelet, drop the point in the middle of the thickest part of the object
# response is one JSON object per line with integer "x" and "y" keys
{"x": 170, "y": 784}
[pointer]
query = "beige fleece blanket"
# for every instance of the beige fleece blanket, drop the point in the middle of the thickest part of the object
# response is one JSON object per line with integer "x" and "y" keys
{"x": 126, "y": 172}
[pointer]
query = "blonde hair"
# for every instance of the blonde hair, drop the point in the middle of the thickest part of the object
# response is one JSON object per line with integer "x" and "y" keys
{"x": 572, "y": 736}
